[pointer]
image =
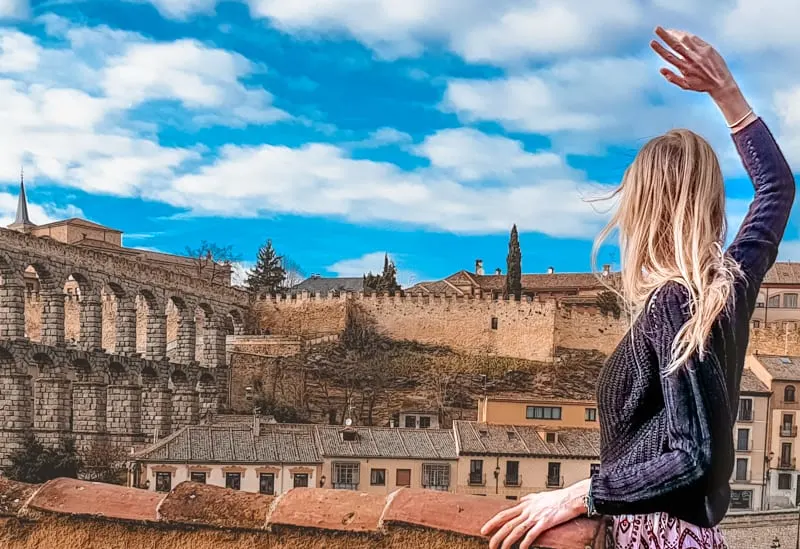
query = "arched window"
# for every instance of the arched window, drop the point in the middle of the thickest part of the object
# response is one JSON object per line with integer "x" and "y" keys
{"x": 788, "y": 393}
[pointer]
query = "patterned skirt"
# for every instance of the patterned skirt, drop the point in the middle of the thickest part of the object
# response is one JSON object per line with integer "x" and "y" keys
{"x": 660, "y": 531}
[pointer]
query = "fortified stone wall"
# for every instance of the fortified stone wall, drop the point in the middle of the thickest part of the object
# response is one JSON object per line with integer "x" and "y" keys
{"x": 775, "y": 340}
{"x": 525, "y": 329}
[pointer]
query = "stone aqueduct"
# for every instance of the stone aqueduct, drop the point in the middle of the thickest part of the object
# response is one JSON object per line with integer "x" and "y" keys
{"x": 56, "y": 389}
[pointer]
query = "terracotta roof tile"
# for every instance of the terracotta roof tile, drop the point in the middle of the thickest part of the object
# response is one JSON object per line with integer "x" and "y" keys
{"x": 751, "y": 384}
{"x": 525, "y": 440}
{"x": 783, "y": 273}
{"x": 388, "y": 443}
{"x": 195, "y": 503}
{"x": 77, "y": 497}
{"x": 781, "y": 368}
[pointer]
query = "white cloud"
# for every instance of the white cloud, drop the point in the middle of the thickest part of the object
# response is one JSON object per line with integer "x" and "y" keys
{"x": 383, "y": 137}
{"x": 470, "y": 155}
{"x": 370, "y": 262}
{"x": 39, "y": 213}
{"x": 13, "y": 9}
{"x": 240, "y": 271}
{"x": 182, "y": 9}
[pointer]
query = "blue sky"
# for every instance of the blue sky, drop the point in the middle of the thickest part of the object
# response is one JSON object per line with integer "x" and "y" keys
{"x": 344, "y": 129}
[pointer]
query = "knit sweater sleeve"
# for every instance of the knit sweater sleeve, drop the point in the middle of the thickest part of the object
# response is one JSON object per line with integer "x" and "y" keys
{"x": 756, "y": 244}
{"x": 649, "y": 485}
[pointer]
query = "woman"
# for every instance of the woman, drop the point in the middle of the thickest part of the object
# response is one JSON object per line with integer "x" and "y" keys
{"x": 668, "y": 394}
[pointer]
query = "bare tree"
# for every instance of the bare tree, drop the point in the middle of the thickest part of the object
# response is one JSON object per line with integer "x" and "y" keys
{"x": 210, "y": 260}
{"x": 294, "y": 273}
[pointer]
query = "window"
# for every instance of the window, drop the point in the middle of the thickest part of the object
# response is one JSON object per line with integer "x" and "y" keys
{"x": 554, "y": 475}
{"x": 745, "y": 409}
{"x": 411, "y": 422}
{"x": 784, "y": 481}
{"x": 741, "y": 499}
{"x": 266, "y": 484}
{"x": 424, "y": 422}
{"x": 345, "y": 475}
{"x": 787, "y": 425}
{"x": 512, "y": 498}
{"x": 476, "y": 472}
{"x": 512, "y": 473}
{"x": 550, "y": 438}
{"x": 163, "y": 482}
{"x": 741, "y": 469}
{"x": 403, "y": 477}
{"x": 790, "y": 301}
{"x": 349, "y": 435}
{"x": 543, "y": 412}
{"x": 788, "y": 393}
{"x": 233, "y": 481}
{"x": 377, "y": 477}
{"x": 743, "y": 440}
{"x": 197, "y": 477}
{"x": 300, "y": 480}
{"x": 494, "y": 323}
{"x": 756, "y": 324}
{"x": 786, "y": 455}
{"x": 774, "y": 301}
{"x": 591, "y": 414}
{"x": 436, "y": 476}
{"x": 594, "y": 469}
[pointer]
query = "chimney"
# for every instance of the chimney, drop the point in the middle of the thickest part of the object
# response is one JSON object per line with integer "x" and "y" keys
{"x": 498, "y": 271}
{"x": 479, "y": 266}
{"x": 550, "y": 270}
{"x": 606, "y": 269}
{"x": 256, "y": 422}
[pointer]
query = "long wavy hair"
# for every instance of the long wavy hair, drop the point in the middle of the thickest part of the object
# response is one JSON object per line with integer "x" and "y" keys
{"x": 671, "y": 222}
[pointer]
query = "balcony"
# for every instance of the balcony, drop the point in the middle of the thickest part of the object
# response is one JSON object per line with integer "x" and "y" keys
{"x": 513, "y": 481}
{"x": 555, "y": 482}
{"x": 307, "y": 517}
{"x": 788, "y": 431}
{"x": 477, "y": 479}
{"x": 345, "y": 486}
{"x": 787, "y": 463}
{"x": 746, "y": 417}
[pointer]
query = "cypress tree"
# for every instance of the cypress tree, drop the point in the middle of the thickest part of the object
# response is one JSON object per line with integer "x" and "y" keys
{"x": 514, "y": 266}
{"x": 268, "y": 273}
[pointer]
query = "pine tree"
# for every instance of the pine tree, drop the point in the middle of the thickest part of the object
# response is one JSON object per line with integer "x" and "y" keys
{"x": 386, "y": 282}
{"x": 514, "y": 266}
{"x": 268, "y": 273}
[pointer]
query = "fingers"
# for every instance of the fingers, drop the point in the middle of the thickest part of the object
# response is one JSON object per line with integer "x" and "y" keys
{"x": 500, "y": 518}
{"x": 502, "y": 534}
{"x": 671, "y": 39}
{"x": 675, "y": 79}
{"x": 518, "y": 533}
{"x": 668, "y": 56}
{"x": 532, "y": 535}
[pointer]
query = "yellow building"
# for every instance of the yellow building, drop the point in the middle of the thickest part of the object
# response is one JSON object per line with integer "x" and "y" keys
{"x": 380, "y": 460}
{"x": 781, "y": 376}
{"x": 509, "y": 461}
{"x": 551, "y": 413}
{"x": 749, "y": 477}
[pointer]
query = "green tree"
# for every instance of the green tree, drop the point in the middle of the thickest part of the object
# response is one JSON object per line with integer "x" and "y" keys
{"x": 269, "y": 273}
{"x": 514, "y": 266}
{"x": 36, "y": 464}
{"x": 386, "y": 282}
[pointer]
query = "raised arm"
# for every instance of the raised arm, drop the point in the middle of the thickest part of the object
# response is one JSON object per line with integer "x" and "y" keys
{"x": 703, "y": 69}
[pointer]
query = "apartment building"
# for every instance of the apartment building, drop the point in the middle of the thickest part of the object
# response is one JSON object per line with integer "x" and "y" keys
{"x": 777, "y": 302}
{"x": 750, "y": 474}
{"x": 509, "y": 461}
{"x": 549, "y": 413}
{"x": 781, "y": 375}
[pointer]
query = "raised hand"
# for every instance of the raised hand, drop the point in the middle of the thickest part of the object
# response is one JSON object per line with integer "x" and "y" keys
{"x": 701, "y": 67}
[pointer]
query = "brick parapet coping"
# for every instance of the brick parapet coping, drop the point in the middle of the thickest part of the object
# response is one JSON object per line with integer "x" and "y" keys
{"x": 306, "y": 510}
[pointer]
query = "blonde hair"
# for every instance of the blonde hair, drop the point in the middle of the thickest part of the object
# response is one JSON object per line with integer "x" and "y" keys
{"x": 671, "y": 221}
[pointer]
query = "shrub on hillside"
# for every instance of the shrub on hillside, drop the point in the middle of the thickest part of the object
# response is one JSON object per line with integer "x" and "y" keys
{"x": 36, "y": 464}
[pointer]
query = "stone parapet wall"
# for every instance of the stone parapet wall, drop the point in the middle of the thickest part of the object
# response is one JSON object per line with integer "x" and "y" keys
{"x": 72, "y": 514}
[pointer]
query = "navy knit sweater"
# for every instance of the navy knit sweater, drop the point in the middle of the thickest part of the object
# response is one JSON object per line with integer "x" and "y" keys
{"x": 667, "y": 441}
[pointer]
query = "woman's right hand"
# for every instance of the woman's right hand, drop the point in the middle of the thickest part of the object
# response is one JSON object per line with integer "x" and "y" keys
{"x": 702, "y": 69}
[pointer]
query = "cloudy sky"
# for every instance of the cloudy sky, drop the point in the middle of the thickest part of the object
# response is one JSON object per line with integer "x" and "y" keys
{"x": 344, "y": 129}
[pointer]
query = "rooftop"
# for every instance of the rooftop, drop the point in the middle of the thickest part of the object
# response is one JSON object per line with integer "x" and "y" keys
{"x": 525, "y": 440}
{"x": 204, "y": 517}
{"x": 750, "y": 384}
{"x": 781, "y": 368}
{"x": 783, "y": 273}
{"x": 236, "y": 443}
{"x": 387, "y": 443}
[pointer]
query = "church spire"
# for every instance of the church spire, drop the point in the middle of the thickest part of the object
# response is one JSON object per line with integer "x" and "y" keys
{"x": 22, "y": 223}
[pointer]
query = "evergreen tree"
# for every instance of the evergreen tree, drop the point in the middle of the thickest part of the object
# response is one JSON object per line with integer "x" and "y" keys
{"x": 36, "y": 464}
{"x": 514, "y": 266}
{"x": 386, "y": 282}
{"x": 268, "y": 273}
